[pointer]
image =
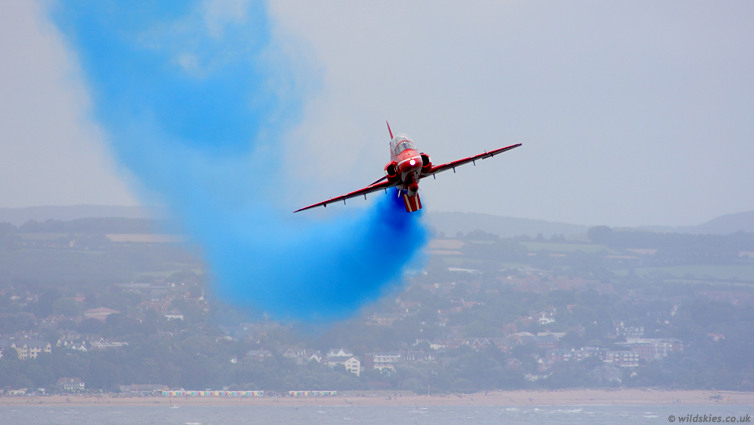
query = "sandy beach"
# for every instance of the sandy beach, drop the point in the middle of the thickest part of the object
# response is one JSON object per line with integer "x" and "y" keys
{"x": 571, "y": 397}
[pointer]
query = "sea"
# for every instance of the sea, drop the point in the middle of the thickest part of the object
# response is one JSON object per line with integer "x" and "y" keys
{"x": 396, "y": 415}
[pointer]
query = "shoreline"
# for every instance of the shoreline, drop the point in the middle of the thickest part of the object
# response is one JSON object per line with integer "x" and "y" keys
{"x": 569, "y": 397}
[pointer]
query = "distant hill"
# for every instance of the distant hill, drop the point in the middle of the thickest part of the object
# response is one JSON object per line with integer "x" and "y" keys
{"x": 723, "y": 225}
{"x": 19, "y": 216}
{"x": 450, "y": 223}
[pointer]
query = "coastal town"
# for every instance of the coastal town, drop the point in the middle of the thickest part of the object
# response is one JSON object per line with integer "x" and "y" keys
{"x": 104, "y": 306}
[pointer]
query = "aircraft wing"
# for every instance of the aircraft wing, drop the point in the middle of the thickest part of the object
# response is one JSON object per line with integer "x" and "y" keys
{"x": 361, "y": 192}
{"x": 452, "y": 165}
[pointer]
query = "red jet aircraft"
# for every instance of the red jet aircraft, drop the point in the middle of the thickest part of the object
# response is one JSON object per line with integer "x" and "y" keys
{"x": 406, "y": 167}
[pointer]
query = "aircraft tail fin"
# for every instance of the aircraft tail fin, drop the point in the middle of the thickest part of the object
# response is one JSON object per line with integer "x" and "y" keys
{"x": 389, "y": 130}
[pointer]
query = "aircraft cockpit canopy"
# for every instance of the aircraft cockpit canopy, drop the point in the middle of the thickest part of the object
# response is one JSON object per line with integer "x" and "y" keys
{"x": 403, "y": 145}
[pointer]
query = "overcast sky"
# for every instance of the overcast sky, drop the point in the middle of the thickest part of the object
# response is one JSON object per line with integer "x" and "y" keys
{"x": 630, "y": 113}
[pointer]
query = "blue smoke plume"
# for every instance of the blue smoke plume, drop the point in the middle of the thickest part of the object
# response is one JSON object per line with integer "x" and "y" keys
{"x": 193, "y": 106}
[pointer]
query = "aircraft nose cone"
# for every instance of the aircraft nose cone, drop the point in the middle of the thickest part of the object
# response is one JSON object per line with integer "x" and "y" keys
{"x": 413, "y": 165}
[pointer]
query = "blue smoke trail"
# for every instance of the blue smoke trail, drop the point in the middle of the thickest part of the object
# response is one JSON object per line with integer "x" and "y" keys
{"x": 194, "y": 107}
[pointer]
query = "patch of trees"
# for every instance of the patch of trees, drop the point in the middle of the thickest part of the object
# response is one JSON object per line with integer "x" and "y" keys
{"x": 631, "y": 238}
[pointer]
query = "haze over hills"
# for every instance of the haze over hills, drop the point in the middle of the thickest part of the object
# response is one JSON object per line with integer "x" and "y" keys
{"x": 450, "y": 223}
{"x": 19, "y": 216}
{"x": 445, "y": 223}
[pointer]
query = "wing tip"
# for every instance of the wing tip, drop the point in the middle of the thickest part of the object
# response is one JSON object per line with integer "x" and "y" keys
{"x": 309, "y": 207}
